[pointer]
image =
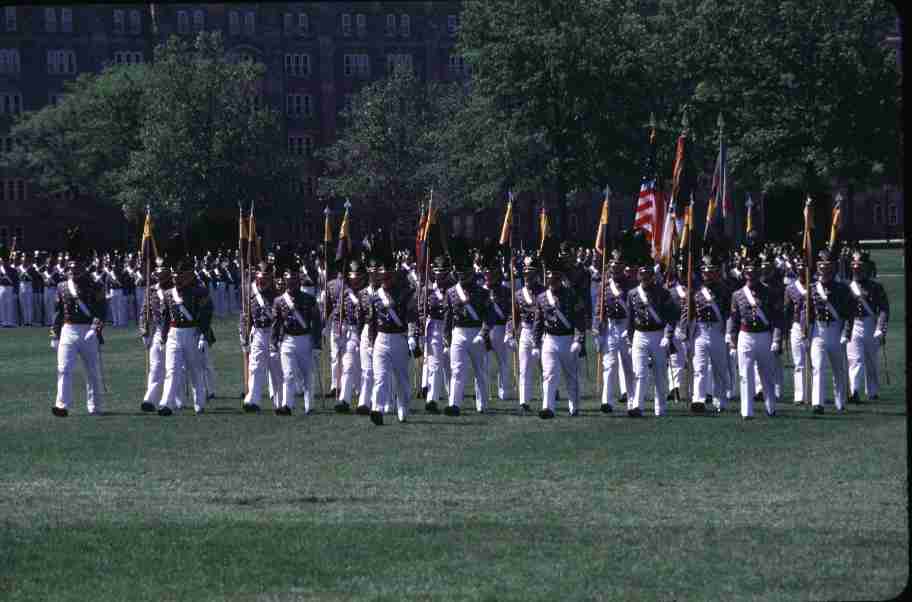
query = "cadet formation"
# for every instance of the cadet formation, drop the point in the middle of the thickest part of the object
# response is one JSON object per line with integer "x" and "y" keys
{"x": 718, "y": 340}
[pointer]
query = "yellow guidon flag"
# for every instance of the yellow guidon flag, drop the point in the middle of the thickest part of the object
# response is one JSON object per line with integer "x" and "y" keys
{"x": 148, "y": 239}
{"x": 327, "y": 228}
{"x": 601, "y": 237}
{"x": 543, "y": 224}
{"x": 836, "y": 220}
{"x": 508, "y": 221}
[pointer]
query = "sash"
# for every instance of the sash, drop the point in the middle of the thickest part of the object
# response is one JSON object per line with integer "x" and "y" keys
{"x": 294, "y": 311}
{"x": 617, "y": 293}
{"x": 500, "y": 313}
{"x": 259, "y": 298}
{"x": 560, "y": 315}
{"x": 649, "y": 307}
{"x": 438, "y": 293}
{"x": 82, "y": 306}
{"x": 527, "y": 296}
{"x": 384, "y": 298}
{"x": 753, "y": 303}
{"x": 180, "y": 305}
{"x": 829, "y": 305}
{"x": 680, "y": 290}
{"x": 161, "y": 295}
{"x": 856, "y": 290}
{"x": 465, "y": 302}
{"x": 709, "y": 297}
{"x": 800, "y": 288}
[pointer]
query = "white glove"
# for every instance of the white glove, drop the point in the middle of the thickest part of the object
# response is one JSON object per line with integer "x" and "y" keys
{"x": 412, "y": 344}
{"x": 54, "y": 343}
{"x": 147, "y": 342}
{"x": 510, "y": 342}
{"x": 575, "y": 347}
{"x": 774, "y": 348}
{"x": 245, "y": 348}
{"x": 352, "y": 346}
{"x": 664, "y": 343}
{"x": 625, "y": 334}
{"x": 878, "y": 335}
{"x": 446, "y": 350}
{"x": 202, "y": 344}
{"x": 843, "y": 340}
{"x": 729, "y": 341}
{"x": 478, "y": 340}
{"x": 90, "y": 334}
{"x": 536, "y": 353}
{"x": 597, "y": 343}
{"x": 680, "y": 335}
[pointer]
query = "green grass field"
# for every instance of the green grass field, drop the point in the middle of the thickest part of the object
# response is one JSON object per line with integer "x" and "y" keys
{"x": 236, "y": 507}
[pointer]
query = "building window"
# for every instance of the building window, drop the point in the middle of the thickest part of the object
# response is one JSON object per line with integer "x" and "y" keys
{"x": 356, "y": 64}
{"x": 7, "y": 143}
{"x": 573, "y": 223}
{"x": 11, "y": 23}
{"x": 4, "y": 231}
{"x": 390, "y": 25}
{"x": 9, "y": 61}
{"x": 395, "y": 60}
{"x": 288, "y": 23}
{"x": 303, "y": 24}
{"x": 55, "y": 98}
{"x": 469, "y": 226}
{"x": 127, "y": 58}
{"x": 457, "y": 225}
{"x": 199, "y": 21}
{"x": 119, "y": 21}
{"x": 361, "y": 22}
{"x": 249, "y": 24}
{"x": 892, "y": 214}
{"x": 135, "y": 22}
{"x": 452, "y": 24}
{"x": 457, "y": 64}
{"x": 297, "y": 65}
{"x": 50, "y": 20}
{"x": 878, "y": 214}
{"x": 183, "y": 22}
{"x": 348, "y": 102}
{"x": 234, "y": 23}
{"x": 299, "y": 105}
{"x": 10, "y": 103}
{"x": 346, "y": 24}
{"x": 301, "y": 146}
{"x": 61, "y": 62}
{"x": 405, "y": 26}
{"x": 12, "y": 190}
{"x": 66, "y": 20}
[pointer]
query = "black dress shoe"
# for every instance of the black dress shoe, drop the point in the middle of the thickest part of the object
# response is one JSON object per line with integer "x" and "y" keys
{"x": 431, "y": 407}
{"x": 545, "y": 414}
{"x": 165, "y": 411}
{"x": 147, "y": 406}
{"x": 377, "y": 418}
{"x": 59, "y": 412}
{"x": 818, "y": 409}
{"x": 524, "y": 407}
{"x": 574, "y": 413}
{"x": 606, "y": 408}
{"x": 771, "y": 414}
{"x": 760, "y": 397}
{"x": 673, "y": 395}
{"x": 283, "y": 411}
{"x": 210, "y": 396}
{"x": 332, "y": 393}
{"x": 698, "y": 407}
{"x": 635, "y": 413}
{"x": 424, "y": 391}
{"x": 342, "y": 408}
{"x": 854, "y": 398}
{"x": 874, "y": 397}
{"x": 251, "y": 408}
{"x": 451, "y": 410}
{"x": 363, "y": 410}
{"x": 623, "y": 399}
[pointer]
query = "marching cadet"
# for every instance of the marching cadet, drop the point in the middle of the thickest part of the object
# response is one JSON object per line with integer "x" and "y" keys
{"x": 610, "y": 325}
{"x": 677, "y": 351}
{"x": 129, "y": 288}
{"x": 771, "y": 278}
{"x": 331, "y": 295}
{"x": 37, "y": 290}
{"x": 526, "y": 304}
{"x": 26, "y": 292}
{"x": 872, "y": 312}
{"x": 139, "y": 287}
{"x": 365, "y": 300}
{"x": 350, "y": 323}
{"x": 296, "y": 336}
{"x": 712, "y": 301}
{"x": 115, "y": 286}
{"x": 265, "y": 364}
{"x": 653, "y": 319}
{"x": 436, "y": 360}
{"x": 832, "y": 314}
{"x": 501, "y": 300}
{"x": 392, "y": 321}
{"x": 793, "y": 311}
{"x": 77, "y": 331}
{"x": 559, "y": 339}
{"x": 187, "y": 334}
{"x": 9, "y": 281}
{"x": 754, "y": 330}
{"x": 467, "y": 324}
{"x": 151, "y": 329}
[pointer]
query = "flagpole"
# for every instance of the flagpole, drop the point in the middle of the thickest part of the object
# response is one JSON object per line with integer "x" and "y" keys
{"x": 807, "y": 301}
{"x": 426, "y": 250}
{"x": 508, "y": 231}
{"x": 603, "y": 234}
{"x": 147, "y": 280}
{"x": 687, "y": 326}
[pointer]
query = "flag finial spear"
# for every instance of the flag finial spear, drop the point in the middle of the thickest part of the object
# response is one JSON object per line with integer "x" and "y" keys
{"x": 348, "y": 204}
{"x": 750, "y": 203}
{"x": 839, "y": 197}
{"x": 326, "y": 211}
{"x": 607, "y": 191}
{"x": 685, "y": 120}
{"x": 720, "y": 122}
{"x": 652, "y": 120}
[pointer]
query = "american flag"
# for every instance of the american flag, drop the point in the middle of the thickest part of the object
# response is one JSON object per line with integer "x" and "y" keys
{"x": 650, "y": 209}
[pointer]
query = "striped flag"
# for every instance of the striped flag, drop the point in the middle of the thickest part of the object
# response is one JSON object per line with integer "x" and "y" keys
{"x": 147, "y": 247}
{"x": 645, "y": 216}
{"x": 543, "y": 225}
{"x": 508, "y": 221}
{"x": 720, "y": 182}
{"x": 677, "y": 171}
{"x": 343, "y": 249}
{"x": 327, "y": 229}
{"x": 836, "y": 220}
{"x": 601, "y": 237}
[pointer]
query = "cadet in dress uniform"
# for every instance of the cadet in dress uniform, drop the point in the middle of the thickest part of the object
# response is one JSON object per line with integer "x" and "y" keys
{"x": 654, "y": 317}
{"x": 265, "y": 367}
{"x": 296, "y": 335}
{"x": 559, "y": 338}
{"x": 793, "y": 310}
{"x": 331, "y": 312}
{"x": 37, "y": 289}
{"x": 52, "y": 277}
{"x": 393, "y": 326}
{"x": 151, "y": 329}
{"x": 366, "y": 350}
{"x": 115, "y": 294}
{"x": 872, "y": 312}
{"x": 77, "y": 331}
{"x": 436, "y": 360}
{"x": 611, "y": 322}
{"x": 771, "y": 278}
{"x": 832, "y": 314}
{"x": 501, "y": 300}
{"x": 350, "y": 322}
{"x": 712, "y": 302}
{"x": 467, "y": 325}
{"x": 677, "y": 351}
{"x": 754, "y": 329}
{"x": 26, "y": 292}
{"x": 526, "y": 304}
{"x": 187, "y": 333}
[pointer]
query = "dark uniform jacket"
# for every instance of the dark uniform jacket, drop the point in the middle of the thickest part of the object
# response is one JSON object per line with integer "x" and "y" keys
{"x": 548, "y": 321}
{"x": 351, "y": 312}
{"x": 68, "y": 311}
{"x": 840, "y": 298}
{"x": 287, "y": 323}
{"x": 642, "y": 319}
{"x": 149, "y": 324}
{"x": 703, "y": 307}
{"x": 261, "y": 316}
{"x": 743, "y": 317}
{"x": 404, "y": 301}
{"x": 793, "y": 307}
{"x": 500, "y": 295}
{"x": 9, "y": 276}
{"x": 873, "y": 292}
{"x": 198, "y": 305}
{"x": 613, "y": 306}
{"x": 526, "y": 305}
{"x": 457, "y": 314}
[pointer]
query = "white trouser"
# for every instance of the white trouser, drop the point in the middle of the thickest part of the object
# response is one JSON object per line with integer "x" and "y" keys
{"x": 335, "y": 357}
{"x": 25, "y": 303}
{"x": 527, "y": 364}
{"x": 182, "y": 353}
{"x": 296, "y": 355}
{"x": 732, "y": 373}
{"x": 825, "y": 347}
{"x": 213, "y": 295}
{"x": 677, "y": 363}
{"x": 350, "y": 379}
{"x": 265, "y": 369}
{"x": 139, "y": 297}
{"x": 799, "y": 359}
{"x": 81, "y": 340}
{"x": 710, "y": 354}
{"x": 38, "y": 307}
{"x": 649, "y": 360}
{"x": 556, "y": 359}
{"x": 502, "y": 357}
{"x": 391, "y": 373}
{"x": 462, "y": 351}
{"x": 615, "y": 359}
{"x": 155, "y": 382}
{"x": 436, "y": 362}
{"x": 50, "y": 301}
{"x": 8, "y": 313}
{"x": 367, "y": 369}
{"x": 862, "y": 352}
{"x": 754, "y": 350}
{"x": 234, "y": 303}
{"x": 118, "y": 307}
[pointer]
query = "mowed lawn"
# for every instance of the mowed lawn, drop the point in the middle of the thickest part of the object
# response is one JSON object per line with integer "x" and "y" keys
{"x": 228, "y": 506}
